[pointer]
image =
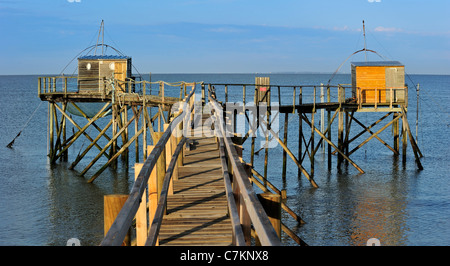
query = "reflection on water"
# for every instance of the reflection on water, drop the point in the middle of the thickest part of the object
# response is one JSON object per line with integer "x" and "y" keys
{"x": 76, "y": 206}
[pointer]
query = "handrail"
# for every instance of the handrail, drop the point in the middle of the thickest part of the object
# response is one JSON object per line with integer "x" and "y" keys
{"x": 263, "y": 227}
{"x": 238, "y": 234}
{"x": 342, "y": 92}
{"x": 162, "y": 202}
{"x": 124, "y": 219}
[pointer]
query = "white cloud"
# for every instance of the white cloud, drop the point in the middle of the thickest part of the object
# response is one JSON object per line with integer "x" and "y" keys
{"x": 389, "y": 30}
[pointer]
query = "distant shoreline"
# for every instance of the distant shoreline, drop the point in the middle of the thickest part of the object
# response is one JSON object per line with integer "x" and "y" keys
{"x": 226, "y": 73}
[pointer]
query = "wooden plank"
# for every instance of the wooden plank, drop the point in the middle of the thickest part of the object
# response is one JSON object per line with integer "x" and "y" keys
{"x": 197, "y": 212}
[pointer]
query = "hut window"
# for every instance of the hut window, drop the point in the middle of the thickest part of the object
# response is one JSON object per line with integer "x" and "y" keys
{"x": 88, "y": 66}
{"x": 111, "y": 66}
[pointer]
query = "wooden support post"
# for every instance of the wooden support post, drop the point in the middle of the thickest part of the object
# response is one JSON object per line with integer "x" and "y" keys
{"x": 65, "y": 154}
{"x": 79, "y": 157}
{"x": 203, "y": 95}
{"x": 404, "y": 141}
{"x": 395, "y": 132}
{"x": 340, "y": 136}
{"x": 152, "y": 191}
{"x": 115, "y": 116}
{"x": 272, "y": 206}
{"x": 136, "y": 128}
{"x": 226, "y": 93}
{"x": 144, "y": 125}
{"x": 334, "y": 146}
{"x": 51, "y": 152}
{"x": 414, "y": 146}
{"x": 169, "y": 152}
{"x": 179, "y": 137}
{"x": 329, "y": 128}
{"x": 81, "y": 131}
{"x": 112, "y": 204}
{"x": 286, "y": 122}
{"x": 115, "y": 156}
{"x": 160, "y": 165}
{"x": 141, "y": 214}
{"x": 374, "y": 135}
{"x": 266, "y": 150}
{"x": 312, "y": 134}
{"x": 300, "y": 167}
{"x": 300, "y": 129}
{"x": 126, "y": 155}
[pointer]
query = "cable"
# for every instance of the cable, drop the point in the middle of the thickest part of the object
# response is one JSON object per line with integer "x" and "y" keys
{"x": 29, "y": 119}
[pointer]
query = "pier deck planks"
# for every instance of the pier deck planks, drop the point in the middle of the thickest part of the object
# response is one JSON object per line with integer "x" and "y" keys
{"x": 197, "y": 212}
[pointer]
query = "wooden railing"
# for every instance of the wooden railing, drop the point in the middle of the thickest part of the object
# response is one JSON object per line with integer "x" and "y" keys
{"x": 119, "y": 229}
{"x": 244, "y": 206}
{"x": 71, "y": 84}
{"x": 392, "y": 96}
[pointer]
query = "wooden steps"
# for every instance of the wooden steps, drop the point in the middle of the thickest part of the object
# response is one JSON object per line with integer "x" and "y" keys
{"x": 197, "y": 212}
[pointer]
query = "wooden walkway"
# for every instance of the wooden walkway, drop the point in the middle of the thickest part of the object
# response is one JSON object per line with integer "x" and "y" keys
{"x": 197, "y": 212}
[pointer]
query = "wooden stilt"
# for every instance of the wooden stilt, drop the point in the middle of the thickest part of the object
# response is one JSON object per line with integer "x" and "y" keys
{"x": 340, "y": 137}
{"x": 115, "y": 156}
{"x": 312, "y": 154}
{"x": 80, "y": 130}
{"x": 115, "y": 117}
{"x": 80, "y": 156}
{"x": 51, "y": 132}
{"x": 374, "y": 135}
{"x": 160, "y": 166}
{"x": 272, "y": 206}
{"x": 136, "y": 129}
{"x": 329, "y": 127}
{"x": 168, "y": 151}
{"x": 334, "y": 146}
{"x": 109, "y": 144}
{"x": 141, "y": 215}
{"x": 286, "y": 122}
{"x": 395, "y": 132}
{"x": 300, "y": 131}
{"x": 152, "y": 191}
{"x": 300, "y": 167}
{"x": 414, "y": 146}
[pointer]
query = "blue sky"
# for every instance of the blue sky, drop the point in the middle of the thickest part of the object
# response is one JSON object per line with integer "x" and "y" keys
{"x": 226, "y": 36}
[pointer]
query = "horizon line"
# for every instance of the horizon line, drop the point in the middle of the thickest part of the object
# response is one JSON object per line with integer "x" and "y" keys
{"x": 231, "y": 73}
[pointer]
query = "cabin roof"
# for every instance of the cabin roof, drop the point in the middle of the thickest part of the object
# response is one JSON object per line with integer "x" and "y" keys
{"x": 377, "y": 63}
{"x": 96, "y": 57}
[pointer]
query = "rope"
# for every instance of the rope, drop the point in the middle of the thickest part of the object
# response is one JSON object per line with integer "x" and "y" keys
{"x": 26, "y": 124}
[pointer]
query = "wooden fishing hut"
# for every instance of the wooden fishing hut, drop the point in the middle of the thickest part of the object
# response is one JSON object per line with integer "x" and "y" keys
{"x": 378, "y": 82}
{"x": 93, "y": 70}
{"x": 377, "y": 88}
{"x": 104, "y": 96}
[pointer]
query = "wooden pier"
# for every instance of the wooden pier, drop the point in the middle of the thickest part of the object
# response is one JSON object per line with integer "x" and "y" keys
{"x": 197, "y": 211}
{"x": 193, "y": 186}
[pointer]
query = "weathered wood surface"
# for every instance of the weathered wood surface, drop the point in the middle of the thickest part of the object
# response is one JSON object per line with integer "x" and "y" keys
{"x": 125, "y": 98}
{"x": 197, "y": 211}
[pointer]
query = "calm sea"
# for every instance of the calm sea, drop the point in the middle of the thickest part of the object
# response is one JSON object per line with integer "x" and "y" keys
{"x": 43, "y": 204}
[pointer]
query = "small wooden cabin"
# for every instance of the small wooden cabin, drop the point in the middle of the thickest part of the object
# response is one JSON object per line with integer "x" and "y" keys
{"x": 378, "y": 82}
{"x": 92, "y": 69}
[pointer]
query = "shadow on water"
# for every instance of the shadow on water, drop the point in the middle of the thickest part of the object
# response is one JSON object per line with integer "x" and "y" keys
{"x": 76, "y": 209}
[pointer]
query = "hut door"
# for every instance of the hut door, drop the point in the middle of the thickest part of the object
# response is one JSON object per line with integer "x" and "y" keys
{"x": 395, "y": 80}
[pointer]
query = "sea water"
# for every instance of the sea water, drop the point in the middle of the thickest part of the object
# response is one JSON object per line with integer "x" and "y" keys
{"x": 47, "y": 204}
